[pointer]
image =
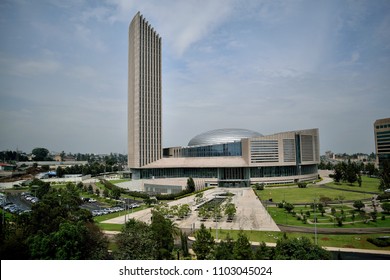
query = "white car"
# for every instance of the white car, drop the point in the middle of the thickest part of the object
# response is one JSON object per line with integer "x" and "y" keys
{"x": 387, "y": 191}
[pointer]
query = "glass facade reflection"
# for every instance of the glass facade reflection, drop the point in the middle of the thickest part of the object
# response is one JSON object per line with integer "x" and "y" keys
{"x": 218, "y": 150}
{"x": 229, "y": 173}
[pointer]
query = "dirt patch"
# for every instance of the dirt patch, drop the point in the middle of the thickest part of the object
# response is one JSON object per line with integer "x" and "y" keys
{"x": 325, "y": 238}
{"x": 348, "y": 246}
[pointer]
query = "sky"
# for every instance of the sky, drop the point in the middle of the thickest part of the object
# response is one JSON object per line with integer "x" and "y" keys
{"x": 267, "y": 66}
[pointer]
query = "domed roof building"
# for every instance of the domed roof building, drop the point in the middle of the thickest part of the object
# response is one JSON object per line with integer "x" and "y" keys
{"x": 219, "y": 136}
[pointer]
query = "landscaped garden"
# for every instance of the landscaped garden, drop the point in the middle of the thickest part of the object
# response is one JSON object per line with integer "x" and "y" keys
{"x": 336, "y": 205}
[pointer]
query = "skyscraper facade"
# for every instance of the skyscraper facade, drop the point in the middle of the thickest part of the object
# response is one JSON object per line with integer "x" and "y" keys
{"x": 382, "y": 140}
{"x": 144, "y": 94}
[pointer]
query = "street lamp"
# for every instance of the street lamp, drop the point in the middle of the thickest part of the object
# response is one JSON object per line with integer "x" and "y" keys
{"x": 315, "y": 221}
{"x": 215, "y": 215}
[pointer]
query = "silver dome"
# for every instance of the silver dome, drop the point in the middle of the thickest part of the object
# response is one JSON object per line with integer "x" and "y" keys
{"x": 219, "y": 136}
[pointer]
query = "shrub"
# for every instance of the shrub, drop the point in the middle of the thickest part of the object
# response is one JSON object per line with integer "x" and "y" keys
{"x": 358, "y": 204}
{"x": 386, "y": 207}
{"x": 289, "y": 207}
{"x": 259, "y": 187}
{"x": 302, "y": 185}
{"x": 383, "y": 196}
{"x": 379, "y": 242}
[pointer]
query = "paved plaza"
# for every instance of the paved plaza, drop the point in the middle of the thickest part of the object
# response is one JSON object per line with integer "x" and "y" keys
{"x": 251, "y": 214}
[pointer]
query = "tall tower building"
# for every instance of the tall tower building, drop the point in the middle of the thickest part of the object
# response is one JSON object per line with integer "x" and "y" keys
{"x": 382, "y": 140}
{"x": 144, "y": 94}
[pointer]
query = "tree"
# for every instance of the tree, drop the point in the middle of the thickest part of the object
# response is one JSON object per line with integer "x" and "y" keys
{"x": 184, "y": 244}
{"x": 288, "y": 207}
{"x": 72, "y": 241}
{"x": 299, "y": 249}
{"x": 370, "y": 168}
{"x": 263, "y": 252}
{"x": 115, "y": 192}
{"x": 384, "y": 176}
{"x": 358, "y": 204}
{"x": 136, "y": 241}
{"x": 338, "y": 172}
{"x": 224, "y": 250}
{"x": 57, "y": 228}
{"x": 203, "y": 246}
{"x": 203, "y": 213}
{"x": 386, "y": 207}
{"x": 359, "y": 180}
{"x": 190, "y": 185}
{"x": 325, "y": 200}
{"x": 321, "y": 209}
{"x": 242, "y": 248}
{"x": 350, "y": 173}
{"x": 164, "y": 231}
{"x": 59, "y": 172}
{"x": 230, "y": 210}
{"x": 198, "y": 198}
{"x": 40, "y": 154}
{"x": 39, "y": 188}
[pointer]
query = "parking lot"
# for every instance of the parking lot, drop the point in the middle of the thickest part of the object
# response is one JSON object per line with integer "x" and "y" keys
{"x": 18, "y": 203}
{"x": 21, "y": 202}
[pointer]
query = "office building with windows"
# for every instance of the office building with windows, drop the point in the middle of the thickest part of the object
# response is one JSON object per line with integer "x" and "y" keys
{"x": 144, "y": 94}
{"x": 382, "y": 140}
{"x": 222, "y": 157}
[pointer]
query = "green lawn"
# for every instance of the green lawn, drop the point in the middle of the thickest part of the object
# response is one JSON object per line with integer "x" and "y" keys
{"x": 368, "y": 185}
{"x": 307, "y": 195}
{"x": 110, "y": 227}
{"x": 328, "y": 240}
{"x": 280, "y": 216}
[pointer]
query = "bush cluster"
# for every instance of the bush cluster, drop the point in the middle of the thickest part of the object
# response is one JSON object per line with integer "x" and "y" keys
{"x": 379, "y": 242}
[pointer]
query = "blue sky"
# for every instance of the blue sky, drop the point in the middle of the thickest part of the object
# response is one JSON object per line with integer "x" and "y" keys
{"x": 268, "y": 66}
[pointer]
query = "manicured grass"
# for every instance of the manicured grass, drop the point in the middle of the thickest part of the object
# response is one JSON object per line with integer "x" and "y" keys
{"x": 307, "y": 195}
{"x": 110, "y": 227}
{"x": 368, "y": 185}
{"x": 327, "y": 240}
{"x": 280, "y": 216}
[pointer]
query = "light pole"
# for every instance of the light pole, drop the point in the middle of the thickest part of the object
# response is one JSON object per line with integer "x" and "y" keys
{"x": 2, "y": 210}
{"x": 124, "y": 204}
{"x": 315, "y": 221}
{"x": 215, "y": 215}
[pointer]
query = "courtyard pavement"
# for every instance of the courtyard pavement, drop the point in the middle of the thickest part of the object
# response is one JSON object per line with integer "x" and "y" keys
{"x": 251, "y": 214}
